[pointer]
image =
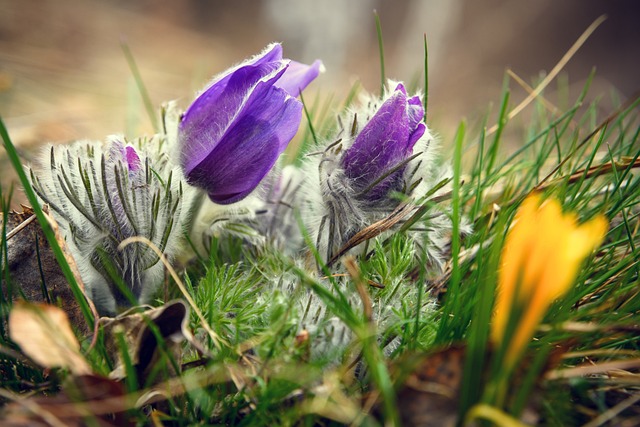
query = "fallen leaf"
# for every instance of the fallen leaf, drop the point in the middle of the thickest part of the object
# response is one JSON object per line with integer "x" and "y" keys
{"x": 44, "y": 334}
{"x": 142, "y": 345}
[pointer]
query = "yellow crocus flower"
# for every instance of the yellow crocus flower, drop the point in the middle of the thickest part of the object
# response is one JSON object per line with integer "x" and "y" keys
{"x": 539, "y": 262}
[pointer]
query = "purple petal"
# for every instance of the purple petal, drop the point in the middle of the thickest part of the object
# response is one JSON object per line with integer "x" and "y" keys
{"x": 208, "y": 118}
{"x": 384, "y": 142}
{"x": 298, "y": 76}
{"x": 415, "y": 101}
{"x": 414, "y": 106}
{"x": 400, "y": 87}
{"x": 416, "y": 110}
{"x": 233, "y": 133}
{"x": 121, "y": 179}
{"x": 416, "y": 115}
{"x": 272, "y": 53}
{"x": 124, "y": 154}
{"x": 250, "y": 146}
{"x": 133, "y": 160}
{"x": 416, "y": 135}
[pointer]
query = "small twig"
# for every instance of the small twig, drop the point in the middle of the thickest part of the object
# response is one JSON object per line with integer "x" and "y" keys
{"x": 597, "y": 170}
{"x": 354, "y": 271}
{"x": 580, "y": 371}
{"x": 554, "y": 72}
{"x": 195, "y": 363}
{"x": 20, "y": 227}
{"x": 546, "y": 103}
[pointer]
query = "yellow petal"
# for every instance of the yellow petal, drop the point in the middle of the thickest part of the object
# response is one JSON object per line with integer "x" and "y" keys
{"x": 515, "y": 248}
{"x": 540, "y": 260}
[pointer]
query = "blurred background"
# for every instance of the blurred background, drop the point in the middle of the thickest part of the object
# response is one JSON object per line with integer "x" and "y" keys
{"x": 63, "y": 74}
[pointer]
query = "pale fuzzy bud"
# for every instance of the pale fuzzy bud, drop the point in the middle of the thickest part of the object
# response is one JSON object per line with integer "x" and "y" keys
{"x": 104, "y": 193}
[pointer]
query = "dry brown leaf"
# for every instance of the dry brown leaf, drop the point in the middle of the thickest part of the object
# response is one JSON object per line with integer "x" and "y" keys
{"x": 171, "y": 320}
{"x": 44, "y": 334}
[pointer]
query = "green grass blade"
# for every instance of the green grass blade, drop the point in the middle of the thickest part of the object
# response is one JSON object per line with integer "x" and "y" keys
{"x": 383, "y": 77}
{"x": 426, "y": 78}
{"x": 451, "y": 306}
{"x": 146, "y": 99}
{"x": 46, "y": 227}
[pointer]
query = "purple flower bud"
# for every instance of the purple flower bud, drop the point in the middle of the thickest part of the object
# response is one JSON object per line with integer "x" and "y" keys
{"x": 133, "y": 160}
{"x": 233, "y": 133}
{"x": 383, "y": 144}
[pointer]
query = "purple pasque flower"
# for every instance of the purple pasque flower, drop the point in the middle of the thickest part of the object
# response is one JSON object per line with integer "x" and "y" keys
{"x": 373, "y": 163}
{"x": 235, "y": 130}
{"x": 351, "y": 183}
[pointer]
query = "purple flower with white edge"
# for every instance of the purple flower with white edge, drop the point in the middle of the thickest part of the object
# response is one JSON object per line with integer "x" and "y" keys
{"x": 373, "y": 163}
{"x": 235, "y": 130}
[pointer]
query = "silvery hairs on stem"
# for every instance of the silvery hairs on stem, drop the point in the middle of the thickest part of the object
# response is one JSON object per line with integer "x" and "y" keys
{"x": 329, "y": 336}
{"x": 105, "y": 192}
